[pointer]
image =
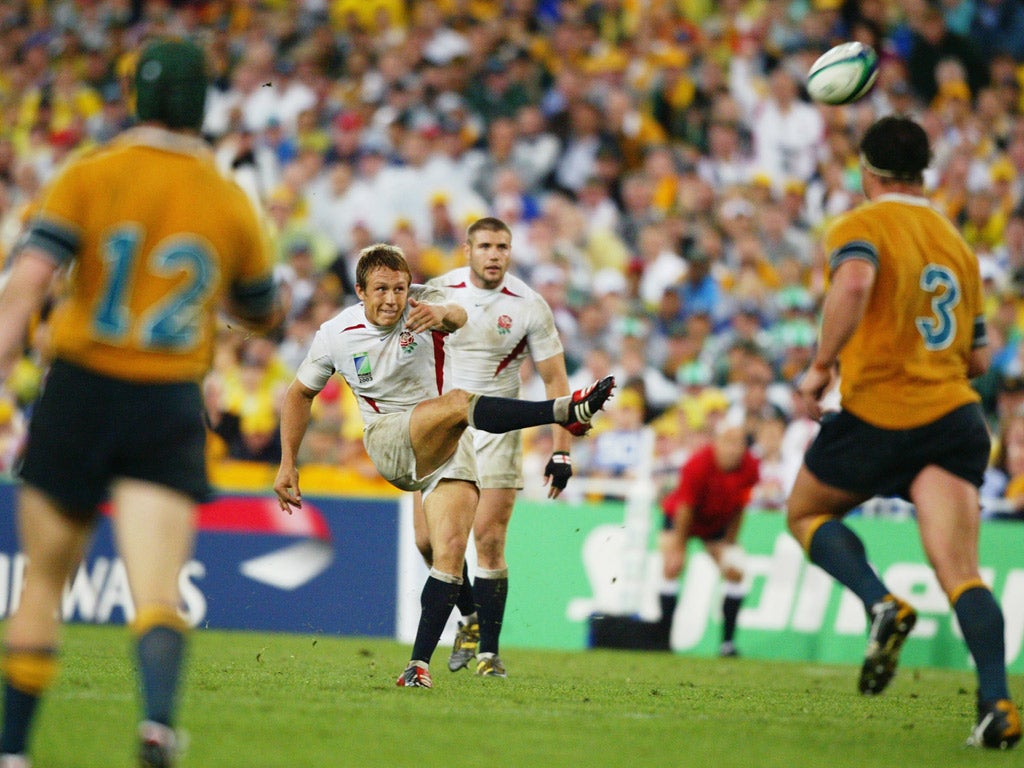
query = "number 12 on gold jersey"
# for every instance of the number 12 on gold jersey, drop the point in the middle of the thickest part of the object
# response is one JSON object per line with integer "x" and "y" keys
{"x": 156, "y": 302}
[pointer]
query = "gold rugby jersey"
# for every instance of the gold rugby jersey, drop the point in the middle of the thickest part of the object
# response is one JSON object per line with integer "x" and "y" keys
{"x": 156, "y": 235}
{"x": 906, "y": 364}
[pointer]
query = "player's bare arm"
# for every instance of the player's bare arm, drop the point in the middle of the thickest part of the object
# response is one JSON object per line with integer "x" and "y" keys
{"x": 732, "y": 532}
{"x": 681, "y": 526}
{"x": 674, "y": 541}
{"x": 295, "y": 414}
{"x": 22, "y": 295}
{"x": 425, "y": 316}
{"x": 843, "y": 309}
{"x": 262, "y": 323}
{"x": 979, "y": 361}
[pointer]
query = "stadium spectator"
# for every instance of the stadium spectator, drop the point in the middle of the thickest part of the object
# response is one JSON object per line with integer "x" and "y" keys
{"x": 345, "y": 137}
{"x": 585, "y": 137}
{"x": 243, "y": 401}
{"x": 728, "y": 162}
{"x": 713, "y": 490}
{"x": 997, "y": 27}
{"x": 662, "y": 266}
{"x": 122, "y": 388}
{"x": 756, "y": 396}
{"x": 496, "y": 155}
{"x": 912, "y": 430}
{"x": 1002, "y": 493}
{"x": 933, "y": 42}
{"x": 772, "y": 488}
{"x": 780, "y": 237}
{"x": 786, "y": 131}
{"x": 416, "y": 423}
{"x": 549, "y": 281}
{"x": 536, "y": 148}
{"x": 495, "y": 92}
{"x": 12, "y": 435}
{"x": 659, "y": 392}
{"x": 617, "y": 450}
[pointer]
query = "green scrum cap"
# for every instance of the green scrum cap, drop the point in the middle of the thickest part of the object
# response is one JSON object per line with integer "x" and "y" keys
{"x": 170, "y": 84}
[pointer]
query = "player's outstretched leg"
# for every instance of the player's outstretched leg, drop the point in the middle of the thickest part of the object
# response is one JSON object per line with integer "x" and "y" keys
{"x": 574, "y": 412}
{"x": 891, "y": 622}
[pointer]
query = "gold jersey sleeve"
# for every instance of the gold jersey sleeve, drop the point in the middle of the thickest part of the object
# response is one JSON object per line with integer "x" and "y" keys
{"x": 906, "y": 364}
{"x": 155, "y": 236}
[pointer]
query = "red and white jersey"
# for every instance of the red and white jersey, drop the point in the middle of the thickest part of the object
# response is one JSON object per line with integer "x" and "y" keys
{"x": 388, "y": 369}
{"x": 505, "y": 324}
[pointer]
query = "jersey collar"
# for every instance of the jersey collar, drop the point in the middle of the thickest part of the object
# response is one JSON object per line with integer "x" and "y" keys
{"x": 902, "y": 197}
{"x": 161, "y": 138}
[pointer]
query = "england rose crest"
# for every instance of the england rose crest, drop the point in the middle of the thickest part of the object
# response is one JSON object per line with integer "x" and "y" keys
{"x": 504, "y": 324}
{"x": 407, "y": 342}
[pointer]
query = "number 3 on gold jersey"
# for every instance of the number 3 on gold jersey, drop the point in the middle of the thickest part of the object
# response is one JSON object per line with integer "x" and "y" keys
{"x": 172, "y": 322}
{"x": 939, "y": 330}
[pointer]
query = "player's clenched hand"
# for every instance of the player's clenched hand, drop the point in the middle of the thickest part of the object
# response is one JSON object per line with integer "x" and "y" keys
{"x": 286, "y": 486}
{"x": 812, "y": 387}
{"x": 557, "y": 472}
{"x": 423, "y": 316}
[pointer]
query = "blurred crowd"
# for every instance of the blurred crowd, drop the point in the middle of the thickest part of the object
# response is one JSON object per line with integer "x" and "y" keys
{"x": 665, "y": 177}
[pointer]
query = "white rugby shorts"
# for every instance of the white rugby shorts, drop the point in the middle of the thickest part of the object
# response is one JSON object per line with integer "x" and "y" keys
{"x": 389, "y": 446}
{"x": 499, "y": 458}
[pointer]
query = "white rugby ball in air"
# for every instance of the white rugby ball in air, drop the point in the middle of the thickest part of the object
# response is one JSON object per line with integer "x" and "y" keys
{"x": 843, "y": 74}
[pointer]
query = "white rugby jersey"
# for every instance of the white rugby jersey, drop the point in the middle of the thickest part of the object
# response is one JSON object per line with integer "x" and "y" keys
{"x": 505, "y": 324}
{"x": 389, "y": 370}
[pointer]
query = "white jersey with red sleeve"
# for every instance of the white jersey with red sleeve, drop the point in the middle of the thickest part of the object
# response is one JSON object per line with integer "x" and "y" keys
{"x": 505, "y": 324}
{"x": 388, "y": 369}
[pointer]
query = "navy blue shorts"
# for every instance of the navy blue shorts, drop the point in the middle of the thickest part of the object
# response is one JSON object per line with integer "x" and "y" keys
{"x": 88, "y": 429}
{"x": 851, "y": 454}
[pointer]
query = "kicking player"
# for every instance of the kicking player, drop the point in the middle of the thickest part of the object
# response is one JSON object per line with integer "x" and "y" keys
{"x": 392, "y": 350}
{"x": 903, "y": 326}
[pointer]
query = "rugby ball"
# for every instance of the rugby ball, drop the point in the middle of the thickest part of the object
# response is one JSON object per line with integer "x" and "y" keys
{"x": 843, "y": 74}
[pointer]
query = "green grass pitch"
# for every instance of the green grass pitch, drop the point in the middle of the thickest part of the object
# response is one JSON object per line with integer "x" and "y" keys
{"x": 274, "y": 700}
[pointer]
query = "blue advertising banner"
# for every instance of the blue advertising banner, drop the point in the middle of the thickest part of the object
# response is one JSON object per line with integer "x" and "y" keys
{"x": 329, "y": 568}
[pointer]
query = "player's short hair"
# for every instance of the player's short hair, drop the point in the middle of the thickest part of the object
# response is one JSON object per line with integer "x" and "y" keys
{"x": 377, "y": 256}
{"x": 487, "y": 224}
{"x": 896, "y": 148}
{"x": 170, "y": 84}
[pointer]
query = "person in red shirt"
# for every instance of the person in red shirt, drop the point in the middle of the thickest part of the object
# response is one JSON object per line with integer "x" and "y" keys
{"x": 714, "y": 487}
